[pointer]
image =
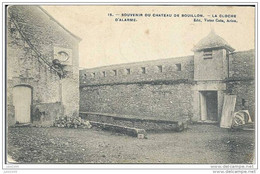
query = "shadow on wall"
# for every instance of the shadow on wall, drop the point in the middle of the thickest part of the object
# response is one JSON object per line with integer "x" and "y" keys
{"x": 45, "y": 113}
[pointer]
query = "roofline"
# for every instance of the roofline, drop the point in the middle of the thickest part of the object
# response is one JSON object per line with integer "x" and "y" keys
{"x": 73, "y": 35}
{"x": 147, "y": 61}
{"x": 224, "y": 46}
{"x": 137, "y": 63}
{"x": 243, "y": 51}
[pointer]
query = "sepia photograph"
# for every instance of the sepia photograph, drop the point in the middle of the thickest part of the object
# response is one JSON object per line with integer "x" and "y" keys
{"x": 130, "y": 84}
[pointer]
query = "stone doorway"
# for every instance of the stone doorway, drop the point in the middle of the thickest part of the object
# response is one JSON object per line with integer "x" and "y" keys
{"x": 209, "y": 105}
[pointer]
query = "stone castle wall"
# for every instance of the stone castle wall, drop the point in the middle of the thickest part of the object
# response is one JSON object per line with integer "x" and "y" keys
{"x": 157, "y": 101}
{"x": 166, "y": 94}
{"x": 162, "y": 92}
{"x": 180, "y": 68}
{"x": 241, "y": 81}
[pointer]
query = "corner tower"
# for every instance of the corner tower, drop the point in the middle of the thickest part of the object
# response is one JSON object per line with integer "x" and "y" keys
{"x": 211, "y": 67}
{"x": 211, "y": 56}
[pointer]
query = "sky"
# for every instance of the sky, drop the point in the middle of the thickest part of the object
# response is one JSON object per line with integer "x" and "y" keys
{"x": 106, "y": 42}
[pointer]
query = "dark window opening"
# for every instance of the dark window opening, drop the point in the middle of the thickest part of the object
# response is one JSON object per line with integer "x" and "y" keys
{"x": 85, "y": 75}
{"x": 207, "y": 54}
{"x": 104, "y": 73}
{"x": 128, "y": 71}
{"x": 143, "y": 70}
{"x": 115, "y": 72}
{"x": 93, "y": 74}
{"x": 178, "y": 66}
{"x": 243, "y": 102}
{"x": 160, "y": 68}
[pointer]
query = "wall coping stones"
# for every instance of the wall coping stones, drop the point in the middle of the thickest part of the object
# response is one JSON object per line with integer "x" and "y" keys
{"x": 152, "y": 82}
{"x": 230, "y": 79}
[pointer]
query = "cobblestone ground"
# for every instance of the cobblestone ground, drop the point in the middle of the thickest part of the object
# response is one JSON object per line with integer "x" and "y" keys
{"x": 205, "y": 144}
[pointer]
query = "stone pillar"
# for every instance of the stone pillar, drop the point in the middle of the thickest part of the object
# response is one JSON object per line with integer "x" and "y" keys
{"x": 196, "y": 106}
{"x": 220, "y": 103}
{"x": 203, "y": 107}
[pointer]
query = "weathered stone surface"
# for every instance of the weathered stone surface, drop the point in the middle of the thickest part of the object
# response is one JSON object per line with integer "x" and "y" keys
{"x": 147, "y": 124}
{"x": 169, "y": 72}
{"x": 210, "y": 69}
{"x": 242, "y": 65}
{"x": 170, "y": 94}
{"x": 32, "y": 24}
{"x": 245, "y": 91}
{"x": 131, "y": 131}
{"x": 170, "y": 102}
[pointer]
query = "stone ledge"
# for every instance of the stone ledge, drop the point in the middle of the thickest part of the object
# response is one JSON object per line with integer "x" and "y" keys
{"x": 139, "y": 133}
{"x": 129, "y": 117}
{"x": 206, "y": 122}
{"x": 132, "y": 121}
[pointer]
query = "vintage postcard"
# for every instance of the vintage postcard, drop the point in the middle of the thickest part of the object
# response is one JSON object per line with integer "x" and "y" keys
{"x": 131, "y": 84}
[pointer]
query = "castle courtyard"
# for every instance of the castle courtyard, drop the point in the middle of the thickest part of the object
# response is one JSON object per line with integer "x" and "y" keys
{"x": 173, "y": 92}
{"x": 198, "y": 144}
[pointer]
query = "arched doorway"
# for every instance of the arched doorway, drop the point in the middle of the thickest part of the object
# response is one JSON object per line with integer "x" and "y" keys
{"x": 22, "y": 100}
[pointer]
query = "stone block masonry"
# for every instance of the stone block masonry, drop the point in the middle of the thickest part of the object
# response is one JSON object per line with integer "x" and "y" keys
{"x": 172, "y": 102}
{"x": 158, "y": 89}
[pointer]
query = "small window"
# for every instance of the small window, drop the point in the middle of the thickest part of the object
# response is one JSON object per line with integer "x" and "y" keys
{"x": 104, "y": 73}
{"x": 243, "y": 102}
{"x": 93, "y": 74}
{"x": 159, "y": 68}
{"x": 143, "y": 70}
{"x": 85, "y": 75}
{"x": 128, "y": 71}
{"x": 207, "y": 55}
{"x": 115, "y": 72}
{"x": 178, "y": 67}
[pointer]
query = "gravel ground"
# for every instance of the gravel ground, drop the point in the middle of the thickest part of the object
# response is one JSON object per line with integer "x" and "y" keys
{"x": 199, "y": 144}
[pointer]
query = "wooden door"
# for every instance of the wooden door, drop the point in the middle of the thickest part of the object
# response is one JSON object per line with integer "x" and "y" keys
{"x": 22, "y": 99}
{"x": 228, "y": 111}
